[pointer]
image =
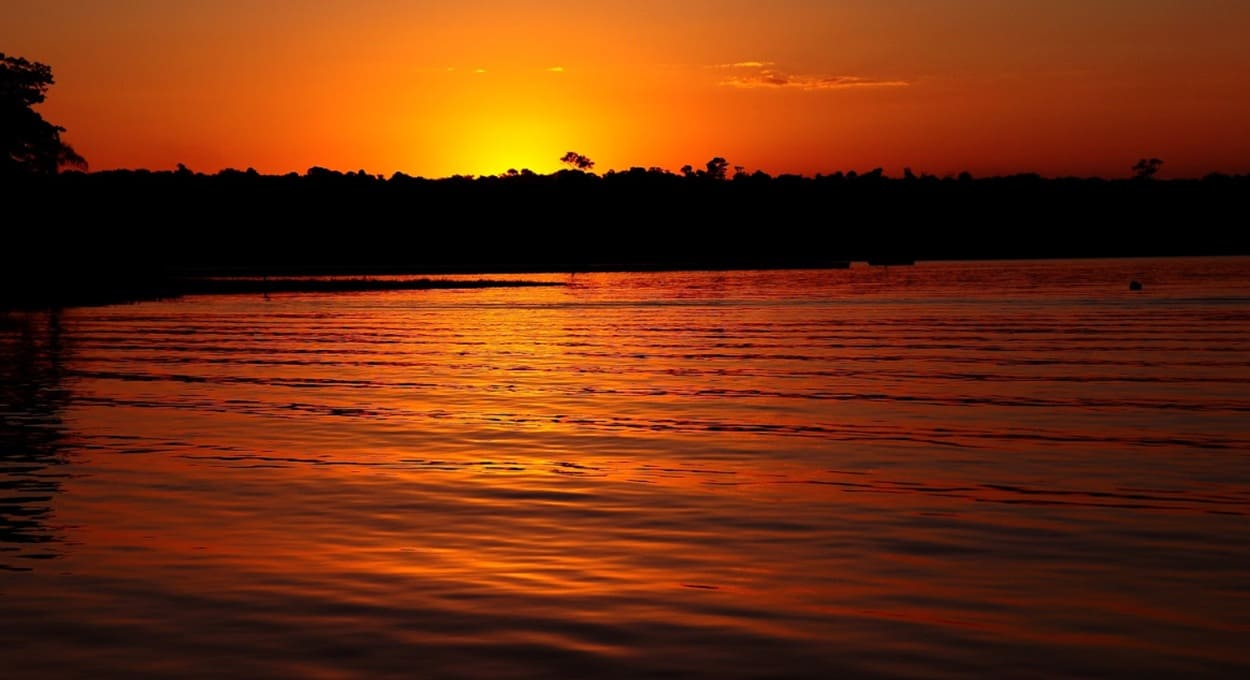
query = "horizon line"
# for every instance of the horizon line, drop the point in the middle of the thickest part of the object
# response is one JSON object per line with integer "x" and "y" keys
{"x": 698, "y": 172}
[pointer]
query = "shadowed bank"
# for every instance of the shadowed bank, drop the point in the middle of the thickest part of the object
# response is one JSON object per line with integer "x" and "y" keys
{"x": 128, "y": 229}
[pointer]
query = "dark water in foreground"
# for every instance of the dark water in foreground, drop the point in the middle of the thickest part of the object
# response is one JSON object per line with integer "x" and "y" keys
{"x": 999, "y": 469}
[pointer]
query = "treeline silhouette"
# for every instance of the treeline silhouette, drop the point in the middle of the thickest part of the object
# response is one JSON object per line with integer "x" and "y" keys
{"x": 130, "y": 230}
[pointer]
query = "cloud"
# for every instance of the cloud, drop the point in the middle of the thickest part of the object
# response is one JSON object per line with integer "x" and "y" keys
{"x": 479, "y": 70}
{"x": 556, "y": 69}
{"x": 745, "y": 64}
{"x": 773, "y": 78}
{"x": 765, "y": 74}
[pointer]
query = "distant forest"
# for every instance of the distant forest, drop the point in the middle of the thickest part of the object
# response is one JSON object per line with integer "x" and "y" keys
{"x": 125, "y": 234}
{"x": 574, "y": 220}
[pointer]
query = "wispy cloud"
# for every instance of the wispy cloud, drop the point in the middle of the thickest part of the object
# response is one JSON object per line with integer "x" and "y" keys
{"x": 764, "y": 74}
{"x": 556, "y": 69}
{"x": 797, "y": 81}
{"x": 745, "y": 64}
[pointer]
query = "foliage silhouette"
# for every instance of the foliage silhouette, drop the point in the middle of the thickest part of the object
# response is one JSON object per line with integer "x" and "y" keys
{"x": 28, "y": 143}
{"x": 717, "y": 168}
{"x": 1146, "y": 168}
{"x": 577, "y": 161}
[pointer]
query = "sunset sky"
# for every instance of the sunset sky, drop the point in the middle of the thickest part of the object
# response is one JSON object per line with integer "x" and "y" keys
{"x": 439, "y": 87}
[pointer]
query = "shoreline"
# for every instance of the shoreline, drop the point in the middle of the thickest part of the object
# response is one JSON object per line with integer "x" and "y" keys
{"x": 262, "y": 286}
{"x": 175, "y": 289}
{"x": 96, "y": 290}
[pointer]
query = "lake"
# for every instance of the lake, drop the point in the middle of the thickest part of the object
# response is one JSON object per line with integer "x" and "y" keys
{"x": 1007, "y": 469}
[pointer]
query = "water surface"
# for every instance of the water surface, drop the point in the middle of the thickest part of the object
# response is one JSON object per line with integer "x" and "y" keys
{"x": 1010, "y": 469}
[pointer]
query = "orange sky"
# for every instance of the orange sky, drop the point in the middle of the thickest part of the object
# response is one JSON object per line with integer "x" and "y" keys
{"x": 439, "y": 87}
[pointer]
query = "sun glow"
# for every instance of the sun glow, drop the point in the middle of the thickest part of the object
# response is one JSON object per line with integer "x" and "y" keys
{"x": 495, "y": 143}
{"x": 500, "y": 119}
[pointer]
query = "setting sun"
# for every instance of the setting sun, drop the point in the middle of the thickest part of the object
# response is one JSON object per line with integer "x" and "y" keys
{"x": 492, "y": 121}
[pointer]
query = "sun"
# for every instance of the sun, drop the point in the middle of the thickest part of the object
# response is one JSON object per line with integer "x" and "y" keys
{"x": 499, "y": 144}
{"x": 501, "y": 120}
{"x": 492, "y": 144}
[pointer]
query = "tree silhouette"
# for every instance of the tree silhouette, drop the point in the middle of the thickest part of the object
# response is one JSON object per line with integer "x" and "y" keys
{"x": 28, "y": 143}
{"x": 717, "y": 168}
{"x": 1146, "y": 168}
{"x": 578, "y": 161}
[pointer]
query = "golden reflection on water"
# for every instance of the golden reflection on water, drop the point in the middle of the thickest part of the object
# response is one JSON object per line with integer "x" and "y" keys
{"x": 1019, "y": 470}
